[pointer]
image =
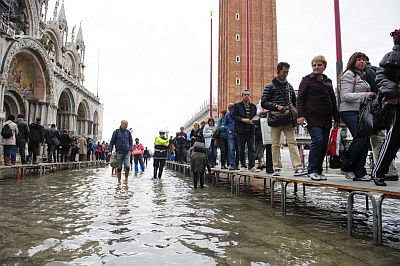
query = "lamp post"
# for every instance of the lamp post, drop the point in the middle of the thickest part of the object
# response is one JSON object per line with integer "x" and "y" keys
{"x": 248, "y": 45}
{"x": 339, "y": 62}
{"x": 211, "y": 104}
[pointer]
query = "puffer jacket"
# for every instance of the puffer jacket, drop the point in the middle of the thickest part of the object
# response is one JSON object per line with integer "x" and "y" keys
{"x": 12, "y": 140}
{"x": 23, "y": 129}
{"x": 277, "y": 93}
{"x": 388, "y": 74}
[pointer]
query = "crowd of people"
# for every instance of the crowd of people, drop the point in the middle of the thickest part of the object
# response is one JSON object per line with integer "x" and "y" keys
{"x": 237, "y": 131}
{"x": 32, "y": 140}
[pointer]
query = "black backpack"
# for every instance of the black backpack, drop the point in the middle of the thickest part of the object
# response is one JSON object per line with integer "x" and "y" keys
{"x": 6, "y": 131}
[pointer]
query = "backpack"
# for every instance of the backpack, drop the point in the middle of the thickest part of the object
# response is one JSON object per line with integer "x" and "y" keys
{"x": 6, "y": 131}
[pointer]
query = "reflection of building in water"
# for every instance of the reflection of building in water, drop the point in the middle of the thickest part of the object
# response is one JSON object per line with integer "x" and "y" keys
{"x": 42, "y": 71}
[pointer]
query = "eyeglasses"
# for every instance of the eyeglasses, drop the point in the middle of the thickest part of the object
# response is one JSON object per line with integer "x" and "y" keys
{"x": 317, "y": 65}
{"x": 245, "y": 94}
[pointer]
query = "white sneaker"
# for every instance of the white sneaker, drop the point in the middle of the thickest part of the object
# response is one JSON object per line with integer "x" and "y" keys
{"x": 349, "y": 175}
{"x": 316, "y": 177}
{"x": 300, "y": 172}
{"x": 253, "y": 169}
{"x": 277, "y": 172}
{"x": 243, "y": 168}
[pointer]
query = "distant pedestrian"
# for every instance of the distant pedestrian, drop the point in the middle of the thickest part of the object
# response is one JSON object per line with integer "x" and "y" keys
{"x": 66, "y": 142}
{"x": 180, "y": 145}
{"x": 222, "y": 139}
{"x": 9, "y": 140}
{"x": 22, "y": 137}
{"x": 137, "y": 152}
{"x": 36, "y": 139}
{"x": 243, "y": 112}
{"x": 161, "y": 145}
{"x": 82, "y": 148}
{"x": 122, "y": 140}
{"x": 233, "y": 150}
{"x": 209, "y": 141}
{"x": 52, "y": 137}
{"x": 146, "y": 155}
{"x": 198, "y": 163}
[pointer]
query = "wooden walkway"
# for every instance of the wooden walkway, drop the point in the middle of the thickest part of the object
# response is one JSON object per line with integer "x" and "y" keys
{"x": 19, "y": 170}
{"x": 374, "y": 195}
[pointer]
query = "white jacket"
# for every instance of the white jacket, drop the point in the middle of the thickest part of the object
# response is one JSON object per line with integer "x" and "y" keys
{"x": 12, "y": 140}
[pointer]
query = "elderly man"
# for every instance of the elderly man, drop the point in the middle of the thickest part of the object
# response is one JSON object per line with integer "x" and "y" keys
{"x": 122, "y": 140}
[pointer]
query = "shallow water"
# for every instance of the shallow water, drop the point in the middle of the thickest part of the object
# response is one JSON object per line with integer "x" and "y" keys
{"x": 83, "y": 217}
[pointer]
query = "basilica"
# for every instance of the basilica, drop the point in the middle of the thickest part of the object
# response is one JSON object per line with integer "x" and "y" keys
{"x": 43, "y": 68}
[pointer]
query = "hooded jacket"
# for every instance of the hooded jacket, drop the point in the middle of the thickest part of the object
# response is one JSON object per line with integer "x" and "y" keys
{"x": 388, "y": 74}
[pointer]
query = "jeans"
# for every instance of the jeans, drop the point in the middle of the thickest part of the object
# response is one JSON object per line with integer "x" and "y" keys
{"x": 319, "y": 144}
{"x": 223, "y": 146}
{"x": 123, "y": 158}
{"x": 181, "y": 153}
{"x": 138, "y": 159}
{"x": 250, "y": 139}
{"x": 212, "y": 154}
{"x": 51, "y": 153}
{"x": 8, "y": 150}
{"x": 233, "y": 154}
{"x": 358, "y": 149}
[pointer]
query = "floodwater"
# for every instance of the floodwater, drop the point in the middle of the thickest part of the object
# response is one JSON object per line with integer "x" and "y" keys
{"x": 82, "y": 217}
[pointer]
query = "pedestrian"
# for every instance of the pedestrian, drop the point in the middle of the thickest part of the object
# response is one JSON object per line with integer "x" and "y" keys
{"x": 52, "y": 137}
{"x": 277, "y": 97}
{"x": 36, "y": 139}
{"x": 198, "y": 163}
{"x": 243, "y": 112}
{"x": 194, "y": 134}
{"x": 146, "y": 155}
{"x": 233, "y": 154}
{"x": 316, "y": 105}
{"x": 122, "y": 140}
{"x": 209, "y": 142}
{"x": 82, "y": 147}
{"x": 8, "y": 139}
{"x": 180, "y": 144}
{"x": 262, "y": 148}
{"x": 65, "y": 142}
{"x": 22, "y": 137}
{"x": 354, "y": 90}
{"x": 388, "y": 79}
{"x": 137, "y": 152}
{"x": 222, "y": 139}
{"x": 161, "y": 145}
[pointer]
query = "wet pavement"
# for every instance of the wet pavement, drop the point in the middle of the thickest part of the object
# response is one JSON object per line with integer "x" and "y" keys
{"x": 82, "y": 217}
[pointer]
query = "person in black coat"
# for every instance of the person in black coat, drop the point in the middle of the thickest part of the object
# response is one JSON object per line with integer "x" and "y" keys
{"x": 36, "y": 139}
{"x": 22, "y": 136}
{"x": 66, "y": 142}
{"x": 242, "y": 114}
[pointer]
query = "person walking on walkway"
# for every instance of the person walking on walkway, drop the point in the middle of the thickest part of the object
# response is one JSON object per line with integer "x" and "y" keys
{"x": 316, "y": 105}
{"x": 161, "y": 144}
{"x": 243, "y": 112}
{"x": 388, "y": 79}
{"x": 233, "y": 150}
{"x": 198, "y": 163}
{"x": 180, "y": 144}
{"x": 122, "y": 140}
{"x": 222, "y": 139}
{"x": 52, "y": 140}
{"x": 354, "y": 90}
{"x": 277, "y": 97}
{"x": 137, "y": 152}
{"x": 8, "y": 139}
{"x": 36, "y": 139}
{"x": 22, "y": 137}
{"x": 209, "y": 141}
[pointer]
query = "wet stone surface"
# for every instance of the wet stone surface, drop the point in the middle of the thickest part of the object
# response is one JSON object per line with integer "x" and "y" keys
{"x": 84, "y": 218}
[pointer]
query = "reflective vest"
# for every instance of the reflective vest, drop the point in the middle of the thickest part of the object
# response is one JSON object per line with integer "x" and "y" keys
{"x": 160, "y": 148}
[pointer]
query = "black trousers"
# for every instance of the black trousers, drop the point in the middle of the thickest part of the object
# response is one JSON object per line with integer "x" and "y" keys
{"x": 196, "y": 177}
{"x": 158, "y": 165}
{"x": 21, "y": 144}
{"x": 389, "y": 147}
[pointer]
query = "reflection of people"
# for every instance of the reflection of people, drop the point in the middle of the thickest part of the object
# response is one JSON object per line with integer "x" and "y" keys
{"x": 388, "y": 78}
{"x": 161, "y": 144}
{"x": 316, "y": 103}
{"x": 122, "y": 140}
{"x": 354, "y": 89}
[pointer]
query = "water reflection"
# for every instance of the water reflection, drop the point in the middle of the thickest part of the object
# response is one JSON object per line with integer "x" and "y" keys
{"x": 84, "y": 217}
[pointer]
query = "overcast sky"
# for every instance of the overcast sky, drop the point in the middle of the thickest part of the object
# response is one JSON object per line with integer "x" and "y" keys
{"x": 154, "y": 54}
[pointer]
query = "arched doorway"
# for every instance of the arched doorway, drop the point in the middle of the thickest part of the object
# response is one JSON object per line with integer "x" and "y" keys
{"x": 65, "y": 110}
{"x": 82, "y": 119}
{"x": 13, "y": 104}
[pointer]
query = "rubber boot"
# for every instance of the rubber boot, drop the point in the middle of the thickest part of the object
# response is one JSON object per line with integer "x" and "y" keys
{"x": 194, "y": 180}
{"x": 142, "y": 167}
{"x": 136, "y": 168}
{"x": 7, "y": 161}
{"x": 155, "y": 172}
{"x": 160, "y": 172}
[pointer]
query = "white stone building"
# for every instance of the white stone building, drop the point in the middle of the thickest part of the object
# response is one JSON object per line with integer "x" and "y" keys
{"x": 42, "y": 69}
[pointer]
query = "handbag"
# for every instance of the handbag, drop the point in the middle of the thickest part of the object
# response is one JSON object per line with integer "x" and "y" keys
{"x": 276, "y": 119}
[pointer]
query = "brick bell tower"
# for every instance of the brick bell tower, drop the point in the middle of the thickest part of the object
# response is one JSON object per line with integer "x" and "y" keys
{"x": 247, "y": 52}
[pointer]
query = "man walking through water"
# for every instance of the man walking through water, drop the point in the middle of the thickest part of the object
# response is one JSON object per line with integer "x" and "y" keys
{"x": 161, "y": 144}
{"x": 122, "y": 140}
